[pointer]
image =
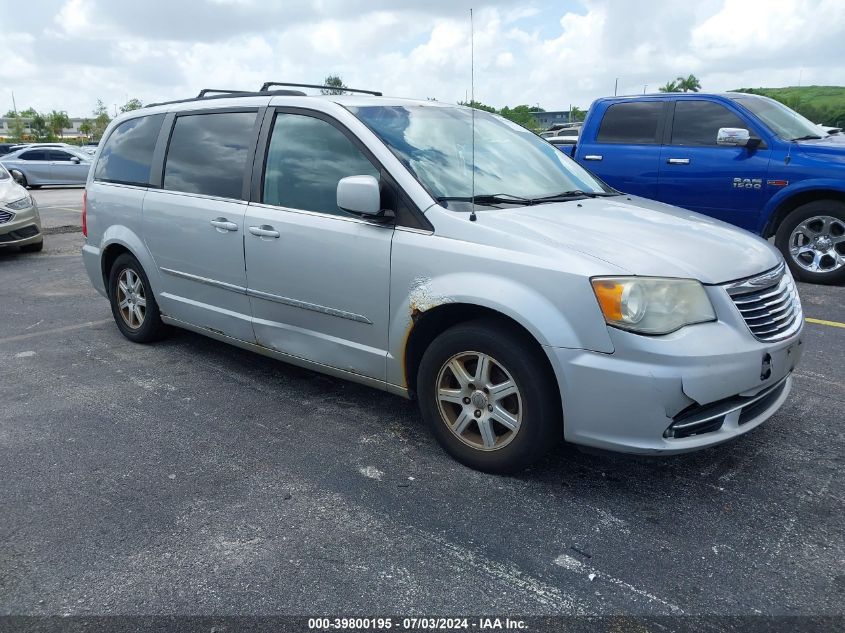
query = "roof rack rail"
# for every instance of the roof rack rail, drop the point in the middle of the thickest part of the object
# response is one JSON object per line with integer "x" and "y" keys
{"x": 267, "y": 84}
{"x": 228, "y": 94}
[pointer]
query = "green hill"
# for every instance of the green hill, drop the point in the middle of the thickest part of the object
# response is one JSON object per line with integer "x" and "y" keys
{"x": 820, "y": 104}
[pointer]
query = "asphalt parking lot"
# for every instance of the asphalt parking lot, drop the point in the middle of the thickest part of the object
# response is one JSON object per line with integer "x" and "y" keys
{"x": 191, "y": 477}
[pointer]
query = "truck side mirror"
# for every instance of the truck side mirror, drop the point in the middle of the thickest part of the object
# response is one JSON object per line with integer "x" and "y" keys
{"x": 735, "y": 136}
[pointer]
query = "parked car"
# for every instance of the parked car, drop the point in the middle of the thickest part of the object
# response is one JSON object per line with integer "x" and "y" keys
{"x": 34, "y": 166}
{"x": 830, "y": 131}
{"x": 563, "y": 143}
{"x": 20, "y": 223}
{"x": 5, "y": 148}
{"x": 343, "y": 234}
{"x": 742, "y": 158}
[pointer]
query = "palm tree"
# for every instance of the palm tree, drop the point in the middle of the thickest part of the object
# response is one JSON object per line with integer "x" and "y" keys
{"x": 671, "y": 86}
{"x": 689, "y": 84}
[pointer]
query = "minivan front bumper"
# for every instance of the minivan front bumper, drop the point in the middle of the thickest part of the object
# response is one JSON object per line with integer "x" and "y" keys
{"x": 697, "y": 387}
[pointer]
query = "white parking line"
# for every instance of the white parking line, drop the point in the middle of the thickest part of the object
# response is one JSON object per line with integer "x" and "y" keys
{"x": 58, "y": 330}
{"x": 43, "y": 206}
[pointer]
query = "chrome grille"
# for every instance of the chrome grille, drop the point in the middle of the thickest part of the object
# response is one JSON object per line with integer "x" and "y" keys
{"x": 5, "y": 216}
{"x": 769, "y": 304}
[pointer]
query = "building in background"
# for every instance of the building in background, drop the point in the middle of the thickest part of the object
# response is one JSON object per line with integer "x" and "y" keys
{"x": 70, "y": 134}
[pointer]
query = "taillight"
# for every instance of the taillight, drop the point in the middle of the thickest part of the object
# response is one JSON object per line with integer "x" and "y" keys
{"x": 85, "y": 213}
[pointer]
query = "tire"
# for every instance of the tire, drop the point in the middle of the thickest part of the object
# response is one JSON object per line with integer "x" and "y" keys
{"x": 19, "y": 178}
{"x": 33, "y": 248}
{"x": 126, "y": 306}
{"x": 812, "y": 240}
{"x": 484, "y": 441}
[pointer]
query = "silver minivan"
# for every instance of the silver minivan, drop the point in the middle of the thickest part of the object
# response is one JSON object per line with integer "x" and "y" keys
{"x": 445, "y": 255}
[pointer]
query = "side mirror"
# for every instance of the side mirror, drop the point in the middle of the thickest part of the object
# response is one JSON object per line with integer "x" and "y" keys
{"x": 360, "y": 195}
{"x": 75, "y": 159}
{"x": 735, "y": 136}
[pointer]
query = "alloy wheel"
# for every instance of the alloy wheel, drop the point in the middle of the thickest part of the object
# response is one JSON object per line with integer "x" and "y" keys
{"x": 818, "y": 244}
{"x": 479, "y": 401}
{"x": 131, "y": 298}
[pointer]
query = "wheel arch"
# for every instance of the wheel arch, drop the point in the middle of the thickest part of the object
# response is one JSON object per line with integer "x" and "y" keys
{"x": 120, "y": 239}
{"x": 782, "y": 206}
{"x": 426, "y": 326}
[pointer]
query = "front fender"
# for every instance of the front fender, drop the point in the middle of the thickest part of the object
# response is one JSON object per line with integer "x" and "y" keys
{"x": 800, "y": 187}
{"x": 573, "y": 320}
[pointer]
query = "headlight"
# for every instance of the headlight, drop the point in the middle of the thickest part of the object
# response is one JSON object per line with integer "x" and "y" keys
{"x": 20, "y": 203}
{"x": 652, "y": 305}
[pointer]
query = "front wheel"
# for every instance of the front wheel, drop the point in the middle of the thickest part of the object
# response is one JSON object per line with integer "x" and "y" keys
{"x": 133, "y": 305}
{"x": 489, "y": 397}
{"x": 812, "y": 240}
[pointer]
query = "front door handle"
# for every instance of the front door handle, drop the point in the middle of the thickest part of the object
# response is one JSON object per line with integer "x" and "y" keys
{"x": 223, "y": 225}
{"x": 265, "y": 230}
{"x": 593, "y": 157}
{"x": 678, "y": 161}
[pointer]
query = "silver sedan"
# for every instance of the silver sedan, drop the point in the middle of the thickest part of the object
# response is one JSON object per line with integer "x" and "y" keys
{"x": 36, "y": 166}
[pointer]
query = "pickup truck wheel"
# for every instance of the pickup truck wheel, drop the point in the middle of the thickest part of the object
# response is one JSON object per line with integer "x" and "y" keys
{"x": 133, "y": 305}
{"x": 812, "y": 240}
{"x": 488, "y": 398}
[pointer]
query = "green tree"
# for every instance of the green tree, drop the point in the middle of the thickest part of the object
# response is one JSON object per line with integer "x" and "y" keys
{"x": 28, "y": 113}
{"x": 101, "y": 119}
{"x": 17, "y": 128}
{"x": 577, "y": 114}
{"x": 58, "y": 122}
{"x": 335, "y": 86}
{"x": 40, "y": 128}
{"x": 522, "y": 115}
{"x": 132, "y": 104}
{"x": 690, "y": 83}
{"x": 86, "y": 128}
{"x": 671, "y": 86}
{"x": 477, "y": 105}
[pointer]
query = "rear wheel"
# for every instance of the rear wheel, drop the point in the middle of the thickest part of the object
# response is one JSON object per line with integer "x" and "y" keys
{"x": 488, "y": 396}
{"x": 812, "y": 240}
{"x": 133, "y": 305}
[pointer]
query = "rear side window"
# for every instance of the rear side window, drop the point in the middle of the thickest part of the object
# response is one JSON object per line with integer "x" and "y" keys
{"x": 306, "y": 159}
{"x": 208, "y": 153}
{"x": 38, "y": 154}
{"x": 61, "y": 156}
{"x": 128, "y": 152}
{"x": 636, "y": 123}
{"x": 698, "y": 122}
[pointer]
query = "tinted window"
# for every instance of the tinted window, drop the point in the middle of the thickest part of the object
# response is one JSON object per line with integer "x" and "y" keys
{"x": 128, "y": 151}
{"x": 698, "y": 122}
{"x": 38, "y": 154}
{"x": 59, "y": 155}
{"x": 306, "y": 159}
{"x": 208, "y": 153}
{"x": 636, "y": 122}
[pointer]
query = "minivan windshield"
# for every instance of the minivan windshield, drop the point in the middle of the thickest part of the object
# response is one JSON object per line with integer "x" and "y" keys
{"x": 512, "y": 164}
{"x": 783, "y": 121}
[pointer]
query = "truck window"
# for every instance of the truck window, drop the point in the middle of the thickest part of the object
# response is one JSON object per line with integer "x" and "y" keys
{"x": 128, "y": 151}
{"x": 698, "y": 122}
{"x": 635, "y": 123}
{"x": 208, "y": 153}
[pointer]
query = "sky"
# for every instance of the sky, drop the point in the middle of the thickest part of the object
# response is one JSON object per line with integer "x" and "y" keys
{"x": 65, "y": 54}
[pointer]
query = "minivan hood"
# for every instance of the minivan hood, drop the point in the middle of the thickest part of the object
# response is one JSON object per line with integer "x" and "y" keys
{"x": 641, "y": 237}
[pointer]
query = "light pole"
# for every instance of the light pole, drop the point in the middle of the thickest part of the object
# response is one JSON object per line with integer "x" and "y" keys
{"x": 615, "y": 86}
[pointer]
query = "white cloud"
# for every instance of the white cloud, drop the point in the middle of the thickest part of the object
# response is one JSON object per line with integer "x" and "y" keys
{"x": 65, "y": 54}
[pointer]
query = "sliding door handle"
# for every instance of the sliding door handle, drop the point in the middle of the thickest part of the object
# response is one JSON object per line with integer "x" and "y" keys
{"x": 265, "y": 230}
{"x": 223, "y": 225}
{"x": 593, "y": 157}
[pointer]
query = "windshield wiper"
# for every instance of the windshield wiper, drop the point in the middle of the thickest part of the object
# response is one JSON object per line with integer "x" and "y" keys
{"x": 488, "y": 198}
{"x": 569, "y": 195}
{"x": 808, "y": 137}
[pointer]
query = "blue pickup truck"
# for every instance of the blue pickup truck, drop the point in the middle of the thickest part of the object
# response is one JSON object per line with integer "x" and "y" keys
{"x": 741, "y": 158}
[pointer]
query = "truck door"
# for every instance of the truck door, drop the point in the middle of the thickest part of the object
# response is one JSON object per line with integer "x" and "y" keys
{"x": 720, "y": 181}
{"x": 626, "y": 150}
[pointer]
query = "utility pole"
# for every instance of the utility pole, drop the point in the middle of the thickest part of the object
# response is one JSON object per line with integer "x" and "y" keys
{"x": 615, "y": 86}
{"x": 14, "y": 106}
{"x": 645, "y": 87}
